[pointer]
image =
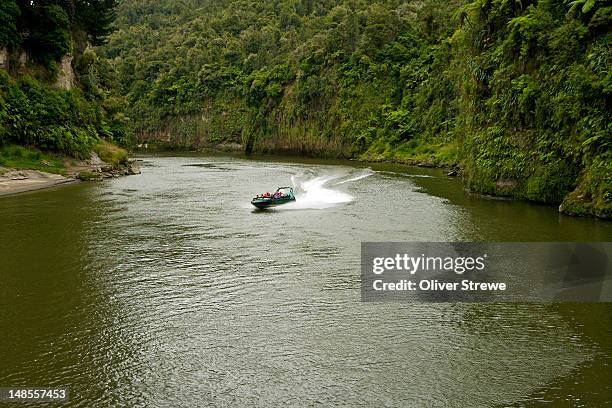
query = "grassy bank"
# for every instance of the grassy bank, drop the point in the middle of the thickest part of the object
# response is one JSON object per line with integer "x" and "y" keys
{"x": 111, "y": 154}
{"x": 20, "y": 157}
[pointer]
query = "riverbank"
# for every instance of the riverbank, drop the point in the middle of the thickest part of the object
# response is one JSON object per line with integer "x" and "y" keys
{"x": 575, "y": 192}
{"x": 14, "y": 181}
{"x": 25, "y": 169}
{"x": 589, "y": 193}
{"x": 444, "y": 159}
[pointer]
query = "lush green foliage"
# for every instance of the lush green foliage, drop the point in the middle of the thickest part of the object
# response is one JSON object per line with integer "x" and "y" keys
{"x": 9, "y": 13}
{"x": 535, "y": 98}
{"x": 517, "y": 92}
{"x": 32, "y": 111}
{"x": 111, "y": 154}
{"x": 307, "y": 76}
{"x": 95, "y": 17}
{"x": 48, "y": 38}
{"x": 44, "y": 27}
{"x": 37, "y": 115}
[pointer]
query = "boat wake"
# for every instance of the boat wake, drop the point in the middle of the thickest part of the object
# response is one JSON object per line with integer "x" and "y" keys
{"x": 365, "y": 173}
{"x": 319, "y": 192}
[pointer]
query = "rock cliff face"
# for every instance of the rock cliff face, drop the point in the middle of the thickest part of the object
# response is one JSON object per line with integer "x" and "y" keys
{"x": 23, "y": 59}
{"x": 4, "y": 56}
{"x": 66, "y": 78}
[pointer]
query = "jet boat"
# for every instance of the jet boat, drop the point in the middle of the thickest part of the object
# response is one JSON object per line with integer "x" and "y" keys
{"x": 283, "y": 195}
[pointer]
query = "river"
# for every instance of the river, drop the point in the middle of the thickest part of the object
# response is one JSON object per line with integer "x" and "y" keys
{"x": 168, "y": 289}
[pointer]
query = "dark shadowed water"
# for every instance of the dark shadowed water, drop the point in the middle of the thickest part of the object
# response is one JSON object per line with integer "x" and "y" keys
{"x": 167, "y": 289}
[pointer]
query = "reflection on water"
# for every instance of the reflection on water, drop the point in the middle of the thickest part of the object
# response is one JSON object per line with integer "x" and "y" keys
{"x": 166, "y": 289}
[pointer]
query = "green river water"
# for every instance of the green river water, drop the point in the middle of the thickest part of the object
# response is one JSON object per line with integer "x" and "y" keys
{"x": 166, "y": 289}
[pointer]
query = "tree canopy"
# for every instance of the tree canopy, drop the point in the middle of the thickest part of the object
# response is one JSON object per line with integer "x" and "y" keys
{"x": 44, "y": 28}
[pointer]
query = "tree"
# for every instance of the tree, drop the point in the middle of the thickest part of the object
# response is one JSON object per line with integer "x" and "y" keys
{"x": 49, "y": 32}
{"x": 9, "y": 13}
{"x": 96, "y": 18}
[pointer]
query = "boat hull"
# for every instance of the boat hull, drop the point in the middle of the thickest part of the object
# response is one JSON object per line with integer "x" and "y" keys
{"x": 262, "y": 203}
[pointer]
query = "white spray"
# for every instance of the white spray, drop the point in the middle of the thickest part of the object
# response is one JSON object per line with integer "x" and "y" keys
{"x": 317, "y": 193}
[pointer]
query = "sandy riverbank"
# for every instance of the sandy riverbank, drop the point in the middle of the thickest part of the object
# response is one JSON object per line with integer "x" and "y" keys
{"x": 20, "y": 181}
{"x": 15, "y": 181}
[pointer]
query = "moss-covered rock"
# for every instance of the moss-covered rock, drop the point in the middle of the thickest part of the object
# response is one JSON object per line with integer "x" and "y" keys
{"x": 89, "y": 176}
{"x": 593, "y": 196}
{"x": 112, "y": 154}
{"x": 551, "y": 182}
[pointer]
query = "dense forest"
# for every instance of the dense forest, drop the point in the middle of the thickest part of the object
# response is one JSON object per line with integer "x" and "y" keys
{"x": 517, "y": 93}
{"x": 56, "y": 93}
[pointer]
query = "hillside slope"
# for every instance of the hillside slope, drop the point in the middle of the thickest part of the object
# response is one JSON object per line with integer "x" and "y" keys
{"x": 516, "y": 93}
{"x": 56, "y": 93}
